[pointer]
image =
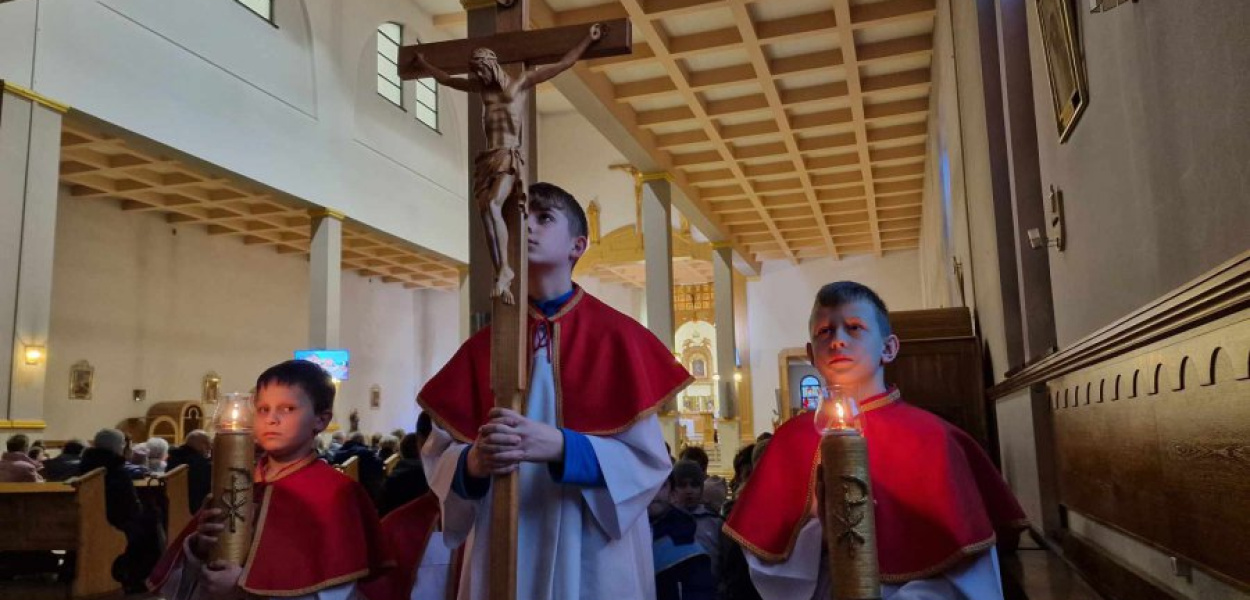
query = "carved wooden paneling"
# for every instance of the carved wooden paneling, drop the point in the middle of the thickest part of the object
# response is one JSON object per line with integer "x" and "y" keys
{"x": 1156, "y": 443}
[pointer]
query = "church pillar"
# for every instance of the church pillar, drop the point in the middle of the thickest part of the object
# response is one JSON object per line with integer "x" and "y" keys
{"x": 324, "y": 278}
{"x": 30, "y": 151}
{"x": 657, "y": 236}
{"x": 726, "y": 353}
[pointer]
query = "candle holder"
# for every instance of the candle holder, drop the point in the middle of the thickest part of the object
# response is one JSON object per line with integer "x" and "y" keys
{"x": 847, "y": 510}
{"x": 234, "y": 459}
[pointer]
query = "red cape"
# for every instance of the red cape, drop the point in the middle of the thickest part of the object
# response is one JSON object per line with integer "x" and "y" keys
{"x": 938, "y": 497}
{"x": 408, "y": 529}
{"x": 315, "y": 529}
{"x": 610, "y": 372}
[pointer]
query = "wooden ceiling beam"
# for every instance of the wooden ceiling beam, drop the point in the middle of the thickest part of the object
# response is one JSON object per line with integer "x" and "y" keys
{"x": 891, "y": 11}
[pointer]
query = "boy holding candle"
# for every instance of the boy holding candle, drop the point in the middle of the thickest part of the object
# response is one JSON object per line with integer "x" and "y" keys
{"x": 588, "y": 449}
{"x": 316, "y": 531}
{"x": 940, "y": 504}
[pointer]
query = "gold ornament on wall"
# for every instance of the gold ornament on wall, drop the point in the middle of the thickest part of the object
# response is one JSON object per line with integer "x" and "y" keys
{"x": 210, "y": 388}
{"x": 81, "y": 380}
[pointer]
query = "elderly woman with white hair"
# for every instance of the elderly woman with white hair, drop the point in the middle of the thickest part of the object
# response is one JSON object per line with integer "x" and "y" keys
{"x": 158, "y": 451}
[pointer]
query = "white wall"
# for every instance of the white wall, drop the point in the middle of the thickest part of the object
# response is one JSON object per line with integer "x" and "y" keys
{"x": 293, "y": 107}
{"x": 781, "y": 301}
{"x": 156, "y": 307}
{"x": 575, "y": 156}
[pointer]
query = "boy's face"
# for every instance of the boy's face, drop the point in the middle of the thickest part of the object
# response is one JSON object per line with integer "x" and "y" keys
{"x": 551, "y": 242}
{"x": 687, "y": 493}
{"x": 847, "y": 345}
{"x": 286, "y": 425}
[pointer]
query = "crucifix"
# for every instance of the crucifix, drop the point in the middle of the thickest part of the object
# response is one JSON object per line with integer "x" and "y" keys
{"x": 503, "y": 63}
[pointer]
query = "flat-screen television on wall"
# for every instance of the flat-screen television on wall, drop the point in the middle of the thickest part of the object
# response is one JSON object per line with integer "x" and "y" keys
{"x": 333, "y": 361}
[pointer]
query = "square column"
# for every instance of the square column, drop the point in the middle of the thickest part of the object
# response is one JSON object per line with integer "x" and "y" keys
{"x": 657, "y": 232}
{"x": 30, "y": 152}
{"x": 726, "y": 354}
{"x": 325, "y": 274}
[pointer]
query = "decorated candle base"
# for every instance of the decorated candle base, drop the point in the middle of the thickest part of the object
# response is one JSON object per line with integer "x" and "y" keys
{"x": 850, "y": 530}
{"x": 234, "y": 456}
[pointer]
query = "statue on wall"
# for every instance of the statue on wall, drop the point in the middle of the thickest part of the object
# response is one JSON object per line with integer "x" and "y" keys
{"x": 353, "y": 420}
{"x": 498, "y": 171}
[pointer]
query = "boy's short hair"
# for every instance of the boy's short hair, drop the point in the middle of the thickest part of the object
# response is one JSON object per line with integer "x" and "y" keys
{"x": 309, "y": 377}
{"x": 688, "y": 470}
{"x": 17, "y": 443}
{"x": 838, "y": 293}
{"x": 547, "y": 196}
{"x": 696, "y": 454}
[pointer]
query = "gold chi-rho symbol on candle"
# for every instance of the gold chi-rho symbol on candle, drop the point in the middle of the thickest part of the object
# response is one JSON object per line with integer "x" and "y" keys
{"x": 237, "y": 497}
{"x": 851, "y": 513}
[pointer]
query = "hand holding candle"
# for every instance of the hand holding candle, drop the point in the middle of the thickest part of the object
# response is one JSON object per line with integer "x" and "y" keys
{"x": 847, "y": 510}
{"x": 234, "y": 458}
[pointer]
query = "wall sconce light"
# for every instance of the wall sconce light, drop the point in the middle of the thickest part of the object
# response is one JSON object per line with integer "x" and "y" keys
{"x": 737, "y": 376}
{"x": 1054, "y": 224}
{"x": 34, "y": 354}
{"x": 716, "y": 377}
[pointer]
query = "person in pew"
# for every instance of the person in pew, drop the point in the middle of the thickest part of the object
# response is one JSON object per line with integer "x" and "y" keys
{"x": 15, "y": 465}
{"x": 407, "y": 481}
{"x": 143, "y": 529}
{"x": 688, "y": 481}
{"x": 588, "y": 452}
{"x": 940, "y": 504}
{"x": 64, "y": 465}
{"x": 372, "y": 471}
{"x": 158, "y": 454}
{"x": 194, "y": 452}
{"x": 696, "y": 454}
{"x": 317, "y": 534}
{"x": 137, "y": 461}
{"x": 387, "y": 447}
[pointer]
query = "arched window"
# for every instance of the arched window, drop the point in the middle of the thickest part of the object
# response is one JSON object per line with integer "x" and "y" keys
{"x": 809, "y": 392}
{"x": 426, "y": 106}
{"x": 389, "y": 87}
{"x": 263, "y": 8}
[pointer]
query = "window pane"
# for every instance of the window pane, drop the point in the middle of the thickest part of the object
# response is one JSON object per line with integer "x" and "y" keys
{"x": 387, "y": 49}
{"x": 427, "y": 116}
{"x": 390, "y": 91}
{"x": 264, "y": 8}
{"x": 427, "y": 97}
{"x": 428, "y": 83}
{"x": 388, "y": 70}
{"x": 391, "y": 31}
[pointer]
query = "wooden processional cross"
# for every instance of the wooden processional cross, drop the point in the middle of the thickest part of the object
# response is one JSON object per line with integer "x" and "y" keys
{"x": 502, "y": 167}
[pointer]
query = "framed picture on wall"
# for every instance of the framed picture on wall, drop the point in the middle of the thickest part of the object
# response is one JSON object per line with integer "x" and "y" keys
{"x": 375, "y": 397}
{"x": 81, "y": 380}
{"x": 1065, "y": 66}
{"x": 210, "y": 388}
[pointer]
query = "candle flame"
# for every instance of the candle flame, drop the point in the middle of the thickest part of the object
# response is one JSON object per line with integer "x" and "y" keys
{"x": 841, "y": 415}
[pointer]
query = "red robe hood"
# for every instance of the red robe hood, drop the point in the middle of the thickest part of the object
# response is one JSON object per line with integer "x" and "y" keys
{"x": 610, "y": 372}
{"x": 315, "y": 529}
{"x": 938, "y": 497}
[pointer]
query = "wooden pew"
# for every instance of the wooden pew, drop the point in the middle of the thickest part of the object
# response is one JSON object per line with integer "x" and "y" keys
{"x": 350, "y": 468}
{"x": 173, "y": 486}
{"x": 389, "y": 464}
{"x": 67, "y": 516}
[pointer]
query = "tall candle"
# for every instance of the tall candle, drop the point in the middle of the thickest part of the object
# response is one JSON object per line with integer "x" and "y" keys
{"x": 234, "y": 458}
{"x": 847, "y": 511}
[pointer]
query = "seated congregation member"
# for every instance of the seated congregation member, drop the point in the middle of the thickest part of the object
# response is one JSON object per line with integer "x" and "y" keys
{"x": 588, "y": 450}
{"x": 137, "y": 462}
{"x": 158, "y": 454}
{"x": 683, "y": 568}
{"x": 65, "y": 464}
{"x": 371, "y": 470}
{"x": 318, "y": 534}
{"x": 935, "y": 534}
{"x": 194, "y": 452}
{"x": 407, "y": 481}
{"x": 144, "y": 534}
{"x": 15, "y": 465}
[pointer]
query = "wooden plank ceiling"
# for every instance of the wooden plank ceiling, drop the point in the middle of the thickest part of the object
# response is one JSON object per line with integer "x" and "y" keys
{"x": 799, "y": 126}
{"x": 109, "y": 167}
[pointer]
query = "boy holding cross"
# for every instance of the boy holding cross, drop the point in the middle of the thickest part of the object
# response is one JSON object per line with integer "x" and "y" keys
{"x": 940, "y": 504}
{"x": 588, "y": 448}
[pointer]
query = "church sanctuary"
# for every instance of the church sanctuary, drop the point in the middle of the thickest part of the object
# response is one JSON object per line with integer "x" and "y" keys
{"x": 625, "y": 299}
